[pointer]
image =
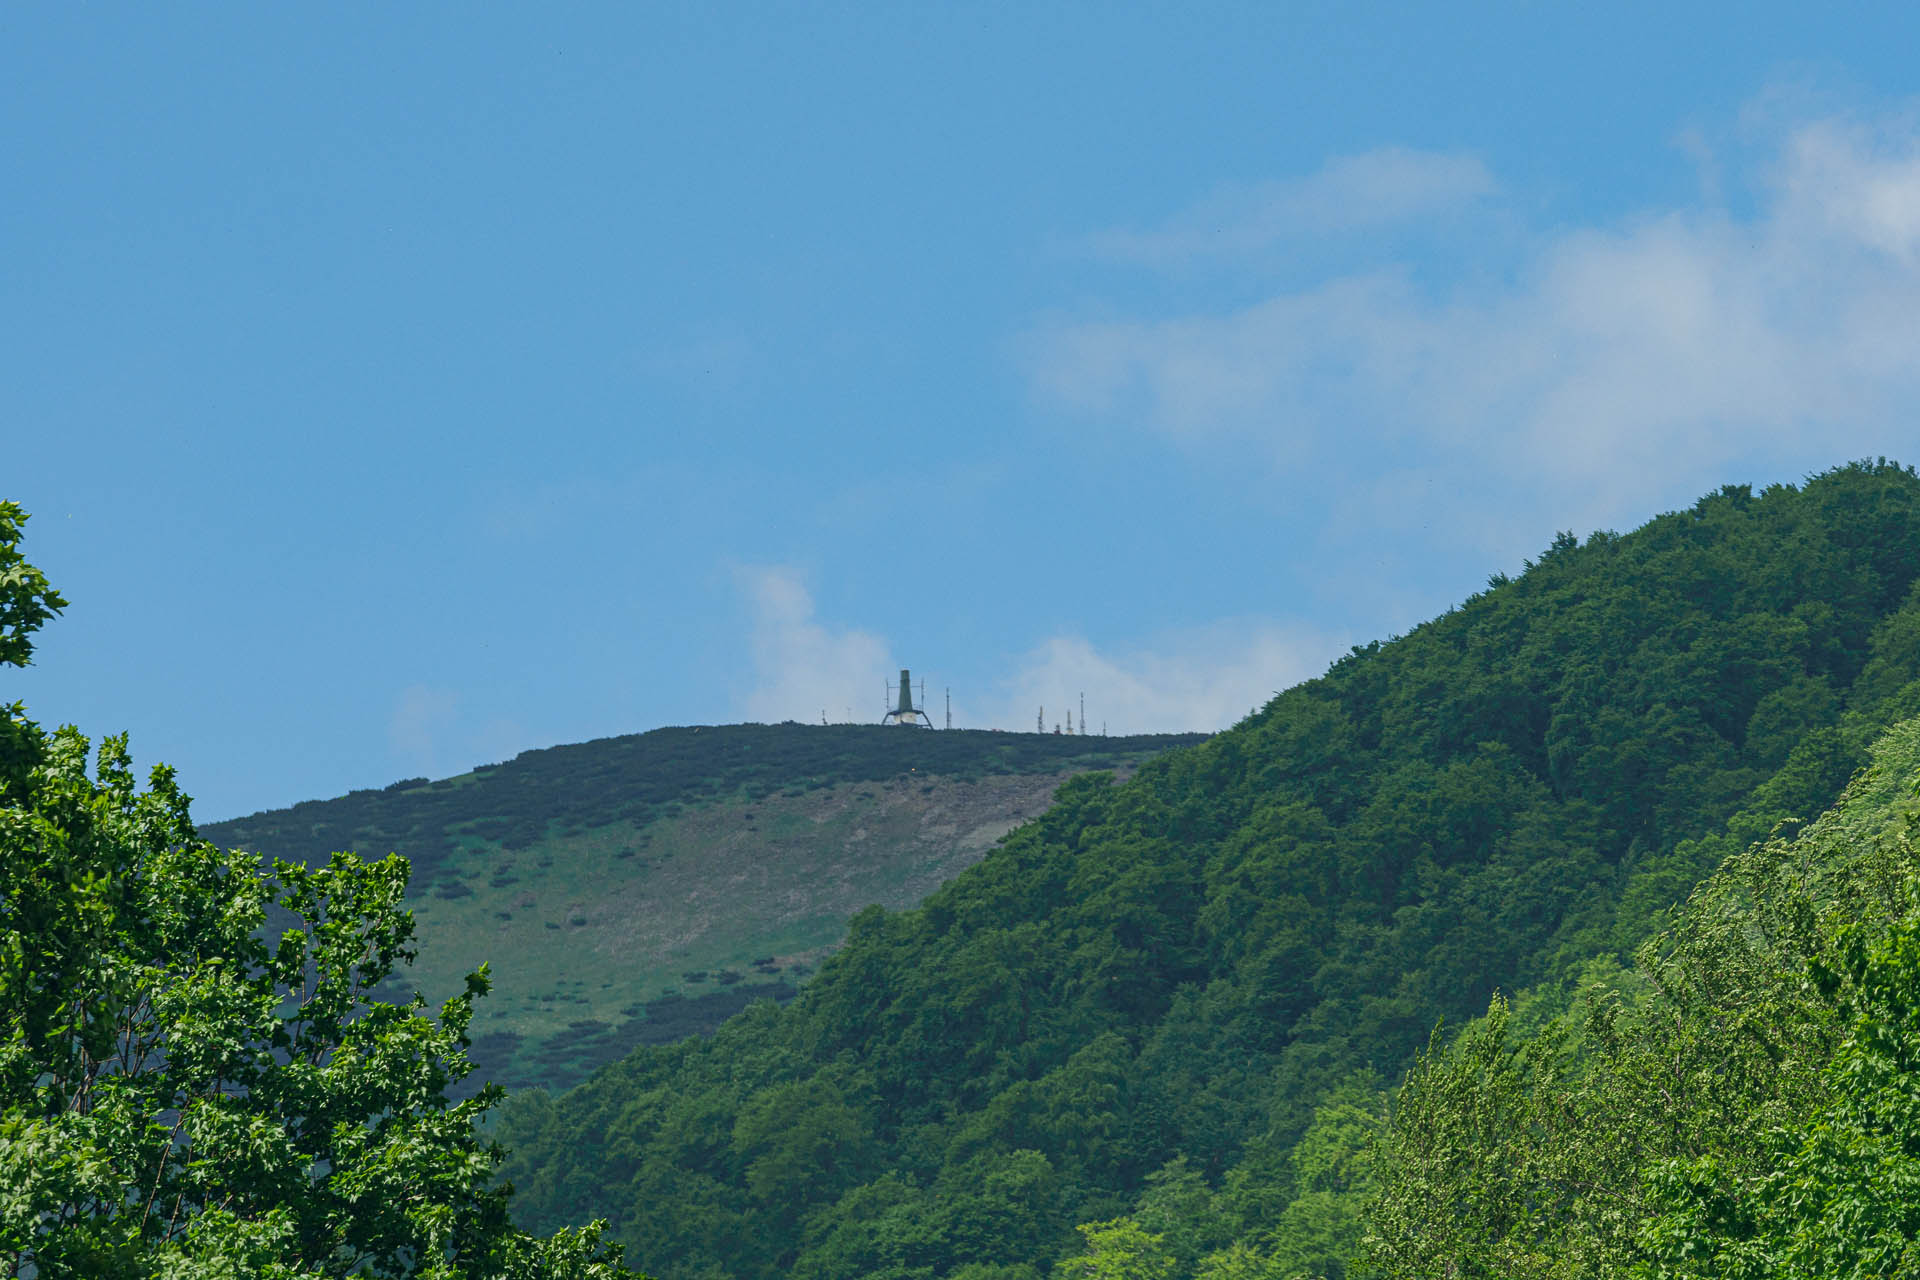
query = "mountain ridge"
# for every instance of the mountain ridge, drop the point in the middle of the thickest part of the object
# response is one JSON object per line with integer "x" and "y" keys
{"x": 1158, "y": 988}
{"x": 635, "y": 889}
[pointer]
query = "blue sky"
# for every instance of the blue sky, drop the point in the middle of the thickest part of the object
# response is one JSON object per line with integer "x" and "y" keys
{"x": 398, "y": 388}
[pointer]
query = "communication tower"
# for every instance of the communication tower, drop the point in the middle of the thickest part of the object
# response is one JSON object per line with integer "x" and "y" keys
{"x": 902, "y": 709}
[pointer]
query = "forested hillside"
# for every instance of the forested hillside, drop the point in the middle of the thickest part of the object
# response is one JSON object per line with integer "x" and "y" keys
{"x": 1178, "y": 998}
{"x": 1739, "y": 1104}
{"x": 639, "y": 889}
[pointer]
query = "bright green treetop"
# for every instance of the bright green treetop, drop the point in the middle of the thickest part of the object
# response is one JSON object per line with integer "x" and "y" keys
{"x": 1118, "y": 1250}
{"x": 26, "y": 601}
{"x": 182, "y": 1095}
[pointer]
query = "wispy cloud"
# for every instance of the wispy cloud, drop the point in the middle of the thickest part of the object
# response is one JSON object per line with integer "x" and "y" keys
{"x": 1351, "y": 193}
{"x": 1858, "y": 182}
{"x": 1201, "y": 679}
{"x": 803, "y": 667}
{"x": 1660, "y": 350}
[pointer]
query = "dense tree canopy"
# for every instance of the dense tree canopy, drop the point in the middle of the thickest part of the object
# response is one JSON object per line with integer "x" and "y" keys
{"x": 182, "y": 1095}
{"x": 1740, "y": 1104}
{"x": 1186, "y": 990}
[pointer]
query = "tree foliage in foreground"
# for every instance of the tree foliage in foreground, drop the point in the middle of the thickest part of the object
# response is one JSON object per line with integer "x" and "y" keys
{"x": 1839, "y": 1195}
{"x": 1745, "y": 1103}
{"x": 181, "y": 1096}
{"x": 27, "y": 601}
{"x": 1142, "y": 1005}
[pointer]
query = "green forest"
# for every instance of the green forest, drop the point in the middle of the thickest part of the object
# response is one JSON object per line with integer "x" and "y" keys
{"x": 1163, "y": 1030}
{"x": 1575, "y": 933}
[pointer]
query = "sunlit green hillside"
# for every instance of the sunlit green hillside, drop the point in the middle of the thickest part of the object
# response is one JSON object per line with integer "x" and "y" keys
{"x": 1737, "y": 1103}
{"x": 637, "y": 889}
{"x": 1178, "y": 998}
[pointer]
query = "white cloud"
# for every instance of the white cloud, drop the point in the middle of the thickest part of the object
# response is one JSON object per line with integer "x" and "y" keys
{"x": 1860, "y": 183}
{"x": 1204, "y": 679}
{"x": 1374, "y": 189}
{"x": 1650, "y": 355}
{"x": 1277, "y": 362}
{"x": 801, "y": 666}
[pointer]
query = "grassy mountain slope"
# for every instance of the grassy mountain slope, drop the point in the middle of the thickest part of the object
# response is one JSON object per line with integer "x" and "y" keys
{"x": 1148, "y": 990}
{"x": 634, "y": 890}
